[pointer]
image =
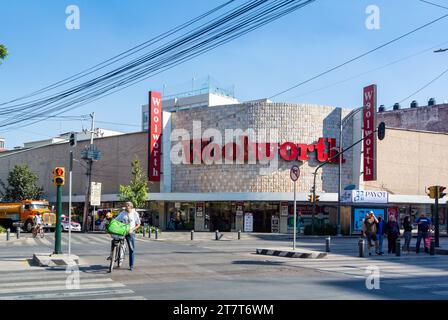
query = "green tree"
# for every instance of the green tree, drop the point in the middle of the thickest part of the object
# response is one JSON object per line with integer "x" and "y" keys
{"x": 137, "y": 191}
{"x": 3, "y": 52}
{"x": 22, "y": 185}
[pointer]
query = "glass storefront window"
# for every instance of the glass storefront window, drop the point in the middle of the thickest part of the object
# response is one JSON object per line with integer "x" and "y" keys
{"x": 180, "y": 216}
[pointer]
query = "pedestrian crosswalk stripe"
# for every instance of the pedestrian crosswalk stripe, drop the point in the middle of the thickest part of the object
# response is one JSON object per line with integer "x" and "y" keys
{"x": 30, "y": 277}
{"x": 122, "y": 298}
{"x": 44, "y": 241}
{"x": 71, "y": 294}
{"x": 62, "y": 287}
{"x": 29, "y": 284}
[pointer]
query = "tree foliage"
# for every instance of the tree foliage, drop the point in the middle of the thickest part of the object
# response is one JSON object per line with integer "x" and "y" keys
{"x": 22, "y": 184}
{"x": 137, "y": 191}
{"x": 3, "y": 52}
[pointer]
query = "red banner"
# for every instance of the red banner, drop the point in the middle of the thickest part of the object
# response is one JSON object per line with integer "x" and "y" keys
{"x": 155, "y": 136}
{"x": 369, "y": 125}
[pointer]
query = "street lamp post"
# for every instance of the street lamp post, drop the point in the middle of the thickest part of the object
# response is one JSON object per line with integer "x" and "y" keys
{"x": 342, "y": 123}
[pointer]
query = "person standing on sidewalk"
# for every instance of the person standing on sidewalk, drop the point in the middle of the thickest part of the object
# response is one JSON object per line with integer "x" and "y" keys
{"x": 380, "y": 234}
{"x": 407, "y": 234}
{"x": 392, "y": 232}
{"x": 130, "y": 216}
{"x": 424, "y": 224}
{"x": 370, "y": 226}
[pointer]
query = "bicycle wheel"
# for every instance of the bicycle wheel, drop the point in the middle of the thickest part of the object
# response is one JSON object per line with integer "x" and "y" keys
{"x": 42, "y": 233}
{"x": 112, "y": 258}
{"x": 120, "y": 256}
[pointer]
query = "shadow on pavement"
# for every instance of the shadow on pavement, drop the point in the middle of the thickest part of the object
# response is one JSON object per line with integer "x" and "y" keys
{"x": 389, "y": 290}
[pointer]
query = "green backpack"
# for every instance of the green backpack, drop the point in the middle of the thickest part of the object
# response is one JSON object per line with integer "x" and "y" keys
{"x": 118, "y": 228}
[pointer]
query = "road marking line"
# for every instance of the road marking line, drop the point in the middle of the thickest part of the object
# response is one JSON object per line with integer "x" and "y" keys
{"x": 43, "y": 241}
{"x": 61, "y": 288}
{"x": 61, "y": 275}
{"x": 123, "y": 298}
{"x": 62, "y": 295}
{"x": 48, "y": 283}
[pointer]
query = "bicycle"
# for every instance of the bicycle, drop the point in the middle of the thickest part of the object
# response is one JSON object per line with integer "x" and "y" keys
{"x": 118, "y": 252}
{"x": 38, "y": 230}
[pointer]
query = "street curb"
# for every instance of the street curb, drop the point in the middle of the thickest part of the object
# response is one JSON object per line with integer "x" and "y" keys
{"x": 55, "y": 260}
{"x": 292, "y": 254}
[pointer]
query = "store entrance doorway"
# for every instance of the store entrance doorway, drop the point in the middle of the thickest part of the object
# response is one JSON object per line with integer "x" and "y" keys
{"x": 221, "y": 216}
{"x": 263, "y": 212}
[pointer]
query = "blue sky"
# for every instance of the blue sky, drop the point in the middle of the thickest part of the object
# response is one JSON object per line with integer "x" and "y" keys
{"x": 260, "y": 64}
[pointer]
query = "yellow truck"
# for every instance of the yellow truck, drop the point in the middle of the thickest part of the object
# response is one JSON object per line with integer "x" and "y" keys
{"x": 23, "y": 212}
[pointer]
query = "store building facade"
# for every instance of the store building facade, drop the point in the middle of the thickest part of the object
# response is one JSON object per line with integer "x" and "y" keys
{"x": 226, "y": 167}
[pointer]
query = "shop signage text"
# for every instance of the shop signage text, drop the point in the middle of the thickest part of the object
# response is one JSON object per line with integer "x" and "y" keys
{"x": 369, "y": 125}
{"x": 200, "y": 151}
{"x": 364, "y": 196}
{"x": 155, "y": 136}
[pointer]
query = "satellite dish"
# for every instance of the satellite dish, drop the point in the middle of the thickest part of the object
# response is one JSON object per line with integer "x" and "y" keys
{"x": 350, "y": 187}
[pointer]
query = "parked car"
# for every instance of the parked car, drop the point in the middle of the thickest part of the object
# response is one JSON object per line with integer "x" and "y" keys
{"x": 65, "y": 225}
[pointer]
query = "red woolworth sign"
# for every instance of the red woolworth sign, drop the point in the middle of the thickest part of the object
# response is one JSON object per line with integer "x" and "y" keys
{"x": 369, "y": 125}
{"x": 155, "y": 135}
{"x": 196, "y": 152}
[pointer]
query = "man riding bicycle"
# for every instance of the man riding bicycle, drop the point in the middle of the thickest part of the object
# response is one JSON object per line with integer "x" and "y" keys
{"x": 38, "y": 222}
{"x": 129, "y": 216}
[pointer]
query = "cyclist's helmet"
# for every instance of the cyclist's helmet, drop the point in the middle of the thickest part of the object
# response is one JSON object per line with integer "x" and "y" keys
{"x": 38, "y": 213}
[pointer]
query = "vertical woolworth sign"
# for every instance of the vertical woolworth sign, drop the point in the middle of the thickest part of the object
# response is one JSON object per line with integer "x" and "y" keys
{"x": 369, "y": 125}
{"x": 155, "y": 135}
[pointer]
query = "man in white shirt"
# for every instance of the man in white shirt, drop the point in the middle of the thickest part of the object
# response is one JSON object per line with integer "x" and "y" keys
{"x": 130, "y": 216}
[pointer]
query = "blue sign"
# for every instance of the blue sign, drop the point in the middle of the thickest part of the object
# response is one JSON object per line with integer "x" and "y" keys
{"x": 360, "y": 214}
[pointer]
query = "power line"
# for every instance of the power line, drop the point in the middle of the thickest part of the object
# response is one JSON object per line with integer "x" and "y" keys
{"x": 370, "y": 71}
{"x": 358, "y": 57}
{"x": 243, "y": 19}
{"x": 434, "y": 4}
{"x": 426, "y": 85}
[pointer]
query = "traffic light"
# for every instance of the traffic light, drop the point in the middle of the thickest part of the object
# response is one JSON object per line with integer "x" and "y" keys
{"x": 73, "y": 139}
{"x": 59, "y": 176}
{"x": 440, "y": 193}
{"x": 432, "y": 192}
{"x": 311, "y": 198}
{"x": 381, "y": 131}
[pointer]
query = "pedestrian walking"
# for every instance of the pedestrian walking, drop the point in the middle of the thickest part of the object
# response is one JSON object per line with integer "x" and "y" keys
{"x": 424, "y": 224}
{"x": 380, "y": 234}
{"x": 369, "y": 228}
{"x": 407, "y": 234}
{"x": 393, "y": 232}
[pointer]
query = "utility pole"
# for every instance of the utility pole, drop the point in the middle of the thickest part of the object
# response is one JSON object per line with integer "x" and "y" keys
{"x": 89, "y": 176}
{"x": 381, "y": 134}
{"x": 343, "y": 121}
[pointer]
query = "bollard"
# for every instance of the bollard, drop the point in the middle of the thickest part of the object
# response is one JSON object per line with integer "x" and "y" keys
{"x": 192, "y": 235}
{"x": 398, "y": 247}
{"x": 327, "y": 244}
{"x": 157, "y": 234}
{"x": 361, "y": 245}
{"x": 432, "y": 247}
{"x": 239, "y": 234}
{"x": 149, "y": 232}
{"x": 8, "y": 233}
{"x": 18, "y": 232}
{"x": 217, "y": 235}
{"x": 144, "y": 231}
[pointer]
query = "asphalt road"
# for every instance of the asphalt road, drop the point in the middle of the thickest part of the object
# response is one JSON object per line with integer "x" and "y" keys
{"x": 174, "y": 267}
